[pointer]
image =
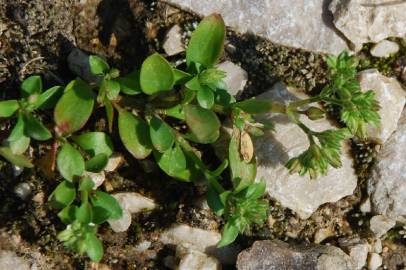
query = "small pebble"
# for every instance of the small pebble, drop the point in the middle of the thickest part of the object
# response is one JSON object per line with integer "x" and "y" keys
{"x": 23, "y": 190}
{"x": 374, "y": 261}
{"x": 17, "y": 171}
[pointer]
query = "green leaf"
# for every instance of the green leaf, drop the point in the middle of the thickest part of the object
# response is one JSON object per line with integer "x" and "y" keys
{"x": 86, "y": 184}
{"x": 130, "y": 84}
{"x": 84, "y": 213}
{"x": 205, "y": 97}
{"x": 100, "y": 215}
{"x": 35, "y": 129}
{"x": 194, "y": 84}
{"x": 254, "y": 106}
{"x": 98, "y": 66}
{"x": 67, "y": 214}
{"x": 181, "y": 77}
{"x": 242, "y": 173}
{"x": 162, "y": 135}
{"x": 134, "y": 133}
{"x": 109, "y": 114}
{"x": 74, "y": 108}
{"x": 18, "y": 160}
{"x": 70, "y": 162}
{"x": 8, "y": 107}
{"x": 49, "y": 98}
{"x": 63, "y": 195}
{"x": 107, "y": 202}
{"x": 17, "y": 141}
{"x": 214, "y": 202}
{"x": 156, "y": 75}
{"x": 175, "y": 163}
{"x": 95, "y": 143}
{"x": 94, "y": 247}
{"x": 30, "y": 86}
{"x": 207, "y": 41}
{"x": 230, "y": 233}
{"x": 113, "y": 89}
{"x": 97, "y": 163}
{"x": 255, "y": 191}
{"x": 203, "y": 123}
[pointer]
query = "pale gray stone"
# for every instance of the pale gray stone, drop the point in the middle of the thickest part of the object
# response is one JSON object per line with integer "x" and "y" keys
{"x": 387, "y": 185}
{"x": 173, "y": 43}
{"x": 391, "y": 97}
{"x": 296, "y": 23}
{"x": 236, "y": 77}
{"x": 278, "y": 255}
{"x": 10, "y": 260}
{"x": 357, "y": 249}
{"x": 200, "y": 240}
{"x": 384, "y": 48}
{"x": 131, "y": 203}
{"x": 380, "y": 224}
{"x": 365, "y": 206}
{"x": 115, "y": 161}
{"x": 299, "y": 193}
{"x": 97, "y": 178}
{"x": 23, "y": 190}
{"x": 374, "y": 261}
{"x": 363, "y": 21}
{"x": 196, "y": 260}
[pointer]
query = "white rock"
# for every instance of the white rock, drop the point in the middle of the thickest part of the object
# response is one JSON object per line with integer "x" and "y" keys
{"x": 134, "y": 202}
{"x": 364, "y": 21}
{"x": 380, "y": 225}
{"x": 374, "y": 261}
{"x": 384, "y": 48}
{"x": 131, "y": 203}
{"x": 196, "y": 260}
{"x": 97, "y": 178}
{"x": 391, "y": 98}
{"x": 200, "y": 240}
{"x": 236, "y": 77}
{"x": 115, "y": 161}
{"x": 173, "y": 43}
{"x": 377, "y": 246}
{"x": 387, "y": 185}
{"x": 357, "y": 249}
{"x": 10, "y": 260}
{"x": 301, "y": 194}
{"x": 365, "y": 206}
{"x": 296, "y": 23}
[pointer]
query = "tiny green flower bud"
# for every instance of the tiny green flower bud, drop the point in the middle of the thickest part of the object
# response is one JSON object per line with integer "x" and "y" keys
{"x": 315, "y": 113}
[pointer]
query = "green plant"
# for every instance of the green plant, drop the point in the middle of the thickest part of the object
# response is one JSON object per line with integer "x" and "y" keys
{"x": 167, "y": 114}
{"x": 28, "y": 126}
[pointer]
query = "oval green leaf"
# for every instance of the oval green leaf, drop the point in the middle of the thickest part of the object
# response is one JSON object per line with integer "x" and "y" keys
{"x": 18, "y": 160}
{"x": 70, "y": 162}
{"x": 63, "y": 195}
{"x": 205, "y": 98}
{"x": 203, "y": 123}
{"x": 207, "y": 41}
{"x": 98, "y": 66}
{"x": 8, "y": 107}
{"x": 49, "y": 98}
{"x": 74, "y": 108}
{"x": 156, "y": 75}
{"x": 162, "y": 135}
{"x": 130, "y": 84}
{"x": 84, "y": 213}
{"x": 35, "y": 129}
{"x": 107, "y": 202}
{"x": 97, "y": 163}
{"x": 95, "y": 143}
{"x": 31, "y": 85}
{"x": 94, "y": 247}
{"x": 254, "y": 106}
{"x": 134, "y": 133}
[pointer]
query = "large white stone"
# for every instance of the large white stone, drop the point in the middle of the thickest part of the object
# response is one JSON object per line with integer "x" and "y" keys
{"x": 364, "y": 21}
{"x": 196, "y": 260}
{"x": 391, "y": 97}
{"x": 200, "y": 240}
{"x": 131, "y": 203}
{"x": 381, "y": 224}
{"x": 301, "y": 194}
{"x": 297, "y": 23}
{"x": 10, "y": 260}
{"x": 357, "y": 249}
{"x": 384, "y": 48}
{"x": 387, "y": 185}
{"x": 236, "y": 77}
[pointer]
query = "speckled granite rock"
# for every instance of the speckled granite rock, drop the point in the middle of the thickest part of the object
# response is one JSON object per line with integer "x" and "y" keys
{"x": 278, "y": 255}
{"x": 364, "y": 21}
{"x": 301, "y": 194}
{"x": 297, "y": 23}
{"x": 391, "y": 98}
{"x": 387, "y": 185}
